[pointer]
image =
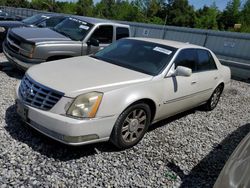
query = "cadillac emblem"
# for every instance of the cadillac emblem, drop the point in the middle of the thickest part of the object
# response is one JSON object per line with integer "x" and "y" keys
{"x": 28, "y": 92}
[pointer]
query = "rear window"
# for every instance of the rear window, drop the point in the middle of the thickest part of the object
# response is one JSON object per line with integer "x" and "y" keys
{"x": 122, "y": 32}
{"x": 205, "y": 61}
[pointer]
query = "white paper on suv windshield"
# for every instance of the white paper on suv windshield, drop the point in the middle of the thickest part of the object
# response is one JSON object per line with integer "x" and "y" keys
{"x": 162, "y": 50}
{"x": 84, "y": 27}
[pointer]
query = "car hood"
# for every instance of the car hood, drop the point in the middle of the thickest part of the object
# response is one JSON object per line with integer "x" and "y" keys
{"x": 36, "y": 35}
{"x": 10, "y": 24}
{"x": 83, "y": 74}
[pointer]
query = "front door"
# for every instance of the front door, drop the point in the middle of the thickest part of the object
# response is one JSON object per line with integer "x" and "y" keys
{"x": 104, "y": 34}
{"x": 180, "y": 92}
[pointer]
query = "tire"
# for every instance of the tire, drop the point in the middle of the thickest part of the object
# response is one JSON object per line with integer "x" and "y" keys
{"x": 214, "y": 99}
{"x": 131, "y": 126}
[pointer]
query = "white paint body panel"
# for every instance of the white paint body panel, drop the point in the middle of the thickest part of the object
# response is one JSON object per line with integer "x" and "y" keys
{"x": 121, "y": 87}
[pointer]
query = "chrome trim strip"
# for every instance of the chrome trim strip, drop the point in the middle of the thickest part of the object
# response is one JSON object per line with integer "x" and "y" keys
{"x": 187, "y": 96}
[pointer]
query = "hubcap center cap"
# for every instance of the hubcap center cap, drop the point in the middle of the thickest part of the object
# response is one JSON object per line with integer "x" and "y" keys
{"x": 133, "y": 126}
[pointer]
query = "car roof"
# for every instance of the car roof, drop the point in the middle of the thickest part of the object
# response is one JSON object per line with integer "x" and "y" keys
{"x": 171, "y": 43}
{"x": 95, "y": 21}
{"x": 51, "y": 14}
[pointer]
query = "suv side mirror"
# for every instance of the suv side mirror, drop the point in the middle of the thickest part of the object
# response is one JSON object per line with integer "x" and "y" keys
{"x": 93, "y": 42}
{"x": 182, "y": 71}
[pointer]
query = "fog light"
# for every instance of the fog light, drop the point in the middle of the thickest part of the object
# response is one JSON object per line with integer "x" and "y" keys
{"x": 78, "y": 139}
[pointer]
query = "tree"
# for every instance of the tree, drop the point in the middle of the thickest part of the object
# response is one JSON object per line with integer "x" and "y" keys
{"x": 180, "y": 13}
{"x": 231, "y": 15}
{"x": 16, "y": 3}
{"x": 245, "y": 15}
{"x": 207, "y": 17}
{"x": 85, "y": 7}
{"x": 105, "y": 9}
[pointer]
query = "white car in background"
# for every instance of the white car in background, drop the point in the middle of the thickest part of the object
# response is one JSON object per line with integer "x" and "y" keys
{"x": 118, "y": 92}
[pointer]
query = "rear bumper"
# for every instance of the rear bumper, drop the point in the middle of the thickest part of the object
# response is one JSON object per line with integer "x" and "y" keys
{"x": 19, "y": 60}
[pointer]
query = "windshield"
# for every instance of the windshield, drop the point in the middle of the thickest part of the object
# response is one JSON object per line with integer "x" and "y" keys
{"x": 34, "y": 19}
{"x": 73, "y": 28}
{"x": 145, "y": 57}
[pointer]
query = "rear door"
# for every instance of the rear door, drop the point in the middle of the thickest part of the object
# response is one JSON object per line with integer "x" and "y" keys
{"x": 207, "y": 74}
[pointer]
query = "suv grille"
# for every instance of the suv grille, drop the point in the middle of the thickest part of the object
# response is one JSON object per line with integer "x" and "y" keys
{"x": 13, "y": 43}
{"x": 37, "y": 95}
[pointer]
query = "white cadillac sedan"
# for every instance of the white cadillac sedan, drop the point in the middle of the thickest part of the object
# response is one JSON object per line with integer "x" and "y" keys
{"x": 118, "y": 92}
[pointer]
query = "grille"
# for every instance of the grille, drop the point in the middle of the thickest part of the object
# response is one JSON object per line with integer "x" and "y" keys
{"x": 14, "y": 44}
{"x": 37, "y": 95}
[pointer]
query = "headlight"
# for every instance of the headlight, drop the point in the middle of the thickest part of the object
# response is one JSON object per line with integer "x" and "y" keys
{"x": 27, "y": 47}
{"x": 86, "y": 105}
{"x": 2, "y": 29}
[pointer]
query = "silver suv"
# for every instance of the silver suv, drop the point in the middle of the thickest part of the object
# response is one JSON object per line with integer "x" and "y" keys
{"x": 74, "y": 36}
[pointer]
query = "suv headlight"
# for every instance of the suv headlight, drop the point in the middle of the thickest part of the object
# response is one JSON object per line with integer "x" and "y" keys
{"x": 27, "y": 49}
{"x": 86, "y": 105}
{"x": 2, "y": 29}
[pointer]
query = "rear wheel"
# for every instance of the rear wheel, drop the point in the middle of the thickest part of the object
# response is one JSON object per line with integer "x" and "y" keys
{"x": 214, "y": 99}
{"x": 131, "y": 126}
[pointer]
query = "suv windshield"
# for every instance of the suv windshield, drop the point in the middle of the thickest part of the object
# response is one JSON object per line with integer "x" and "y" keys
{"x": 146, "y": 57}
{"x": 34, "y": 19}
{"x": 73, "y": 28}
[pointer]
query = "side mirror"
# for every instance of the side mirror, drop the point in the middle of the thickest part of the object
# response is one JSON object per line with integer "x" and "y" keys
{"x": 182, "y": 71}
{"x": 93, "y": 42}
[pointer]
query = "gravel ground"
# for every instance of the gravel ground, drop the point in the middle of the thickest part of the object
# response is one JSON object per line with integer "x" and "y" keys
{"x": 187, "y": 150}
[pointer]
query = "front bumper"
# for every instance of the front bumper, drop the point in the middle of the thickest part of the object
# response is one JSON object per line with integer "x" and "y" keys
{"x": 19, "y": 60}
{"x": 65, "y": 129}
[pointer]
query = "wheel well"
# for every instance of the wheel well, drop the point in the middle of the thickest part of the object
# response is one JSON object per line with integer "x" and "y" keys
{"x": 151, "y": 104}
{"x": 222, "y": 84}
{"x": 52, "y": 58}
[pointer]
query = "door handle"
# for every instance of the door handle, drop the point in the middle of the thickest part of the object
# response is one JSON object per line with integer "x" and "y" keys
{"x": 193, "y": 82}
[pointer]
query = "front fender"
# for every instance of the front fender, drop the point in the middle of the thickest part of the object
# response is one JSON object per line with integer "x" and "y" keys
{"x": 116, "y": 101}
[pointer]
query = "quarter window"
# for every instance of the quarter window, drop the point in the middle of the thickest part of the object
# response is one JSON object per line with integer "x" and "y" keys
{"x": 121, "y": 32}
{"x": 104, "y": 34}
{"x": 186, "y": 58}
{"x": 205, "y": 61}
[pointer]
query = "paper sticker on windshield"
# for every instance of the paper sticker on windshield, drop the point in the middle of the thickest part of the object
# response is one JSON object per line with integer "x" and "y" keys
{"x": 79, "y": 21}
{"x": 162, "y": 50}
{"x": 84, "y": 27}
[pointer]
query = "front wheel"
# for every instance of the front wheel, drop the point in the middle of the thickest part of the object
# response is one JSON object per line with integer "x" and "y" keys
{"x": 214, "y": 99}
{"x": 131, "y": 126}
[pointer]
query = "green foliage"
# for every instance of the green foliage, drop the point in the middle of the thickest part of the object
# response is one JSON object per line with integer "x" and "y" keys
{"x": 180, "y": 13}
{"x": 171, "y": 12}
{"x": 231, "y": 15}
{"x": 206, "y": 18}
{"x": 85, "y": 7}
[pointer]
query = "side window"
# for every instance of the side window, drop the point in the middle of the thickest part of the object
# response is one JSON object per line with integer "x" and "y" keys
{"x": 104, "y": 34}
{"x": 205, "y": 61}
{"x": 186, "y": 58}
{"x": 52, "y": 22}
{"x": 122, "y": 32}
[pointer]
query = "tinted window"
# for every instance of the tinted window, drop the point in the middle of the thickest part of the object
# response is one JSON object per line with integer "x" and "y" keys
{"x": 104, "y": 34}
{"x": 121, "y": 33}
{"x": 73, "y": 28}
{"x": 34, "y": 19}
{"x": 205, "y": 61}
{"x": 52, "y": 22}
{"x": 186, "y": 58}
{"x": 146, "y": 57}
